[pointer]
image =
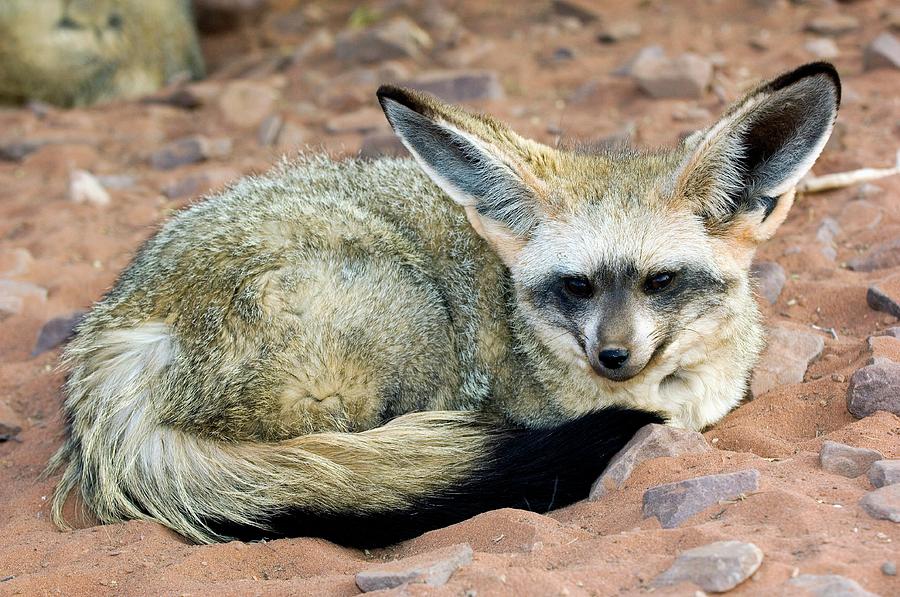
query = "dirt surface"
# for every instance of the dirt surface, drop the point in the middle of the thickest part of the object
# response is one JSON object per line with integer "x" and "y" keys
{"x": 278, "y": 71}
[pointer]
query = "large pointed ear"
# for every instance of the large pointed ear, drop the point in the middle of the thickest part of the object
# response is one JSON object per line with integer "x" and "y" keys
{"x": 484, "y": 166}
{"x": 740, "y": 174}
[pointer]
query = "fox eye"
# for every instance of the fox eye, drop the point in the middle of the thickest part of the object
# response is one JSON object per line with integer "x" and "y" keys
{"x": 578, "y": 286}
{"x": 658, "y": 281}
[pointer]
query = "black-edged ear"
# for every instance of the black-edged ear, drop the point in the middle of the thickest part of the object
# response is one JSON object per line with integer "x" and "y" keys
{"x": 745, "y": 167}
{"x": 476, "y": 160}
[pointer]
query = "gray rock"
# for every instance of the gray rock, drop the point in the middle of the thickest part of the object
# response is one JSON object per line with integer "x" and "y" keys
{"x": 786, "y": 358}
{"x": 15, "y": 295}
{"x": 393, "y": 39}
{"x": 874, "y": 387}
{"x": 770, "y": 279}
{"x": 619, "y": 31}
{"x": 883, "y": 52}
{"x": 56, "y": 331}
{"x": 824, "y": 585}
{"x": 269, "y": 129}
{"x": 833, "y": 24}
{"x": 823, "y": 48}
{"x": 846, "y": 460}
{"x": 717, "y": 567}
{"x": 883, "y": 503}
{"x": 651, "y": 441}
{"x": 189, "y": 150}
{"x": 889, "y": 568}
{"x": 377, "y": 144}
{"x": 10, "y": 422}
{"x": 15, "y": 151}
{"x": 185, "y": 187}
{"x": 646, "y": 54}
{"x": 685, "y": 76}
{"x": 459, "y": 85}
{"x": 883, "y": 256}
{"x": 884, "y": 472}
{"x": 433, "y": 568}
{"x": 885, "y": 296}
{"x": 673, "y": 503}
{"x": 583, "y": 10}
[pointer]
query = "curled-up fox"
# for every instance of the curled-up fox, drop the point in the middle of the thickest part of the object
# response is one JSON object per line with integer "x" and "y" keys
{"x": 368, "y": 350}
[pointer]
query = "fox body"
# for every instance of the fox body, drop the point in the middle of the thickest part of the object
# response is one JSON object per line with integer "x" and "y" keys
{"x": 365, "y": 350}
{"x": 76, "y": 52}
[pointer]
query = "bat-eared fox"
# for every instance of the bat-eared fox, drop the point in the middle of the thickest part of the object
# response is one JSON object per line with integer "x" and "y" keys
{"x": 366, "y": 350}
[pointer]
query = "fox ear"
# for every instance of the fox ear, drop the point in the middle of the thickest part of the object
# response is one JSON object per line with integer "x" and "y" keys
{"x": 741, "y": 173}
{"x": 479, "y": 162}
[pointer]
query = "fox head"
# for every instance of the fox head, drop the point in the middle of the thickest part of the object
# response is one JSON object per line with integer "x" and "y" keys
{"x": 620, "y": 257}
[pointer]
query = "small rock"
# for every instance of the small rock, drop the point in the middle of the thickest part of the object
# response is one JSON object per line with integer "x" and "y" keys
{"x": 468, "y": 54}
{"x": 846, "y": 460}
{"x": 717, "y": 567}
{"x": 825, "y": 585}
{"x": 363, "y": 120}
{"x": 10, "y": 422}
{"x": 649, "y": 54}
{"x": 185, "y": 187}
{"x": 883, "y": 503}
{"x": 822, "y": 48}
{"x": 583, "y": 10}
{"x": 873, "y": 388}
{"x": 619, "y": 31}
{"x": 889, "y": 568}
{"x": 884, "y": 472}
{"x": 761, "y": 40}
{"x": 117, "y": 181}
{"x": 861, "y": 215}
{"x": 883, "y": 256}
{"x": 85, "y": 188}
{"x": 787, "y": 356}
{"x": 885, "y": 296}
{"x": 15, "y": 151}
{"x": 375, "y": 145}
{"x": 268, "y": 131}
{"x": 673, "y": 503}
{"x": 15, "y": 262}
{"x": 459, "y": 85}
{"x": 189, "y": 150}
{"x": 883, "y": 52}
{"x": 183, "y": 98}
{"x": 247, "y": 103}
{"x": 14, "y": 295}
{"x": 651, "y": 441}
{"x": 770, "y": 279}
{"x": 433, "y": 568}
{"x": 56, "y": 331}
{"x": 686, "y": 76}
{"x": 833, "y": 25}
{"x": 396, "y": 38}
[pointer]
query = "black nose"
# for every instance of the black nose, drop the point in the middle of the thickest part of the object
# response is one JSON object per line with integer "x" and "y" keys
{"x": 613, "y": 358}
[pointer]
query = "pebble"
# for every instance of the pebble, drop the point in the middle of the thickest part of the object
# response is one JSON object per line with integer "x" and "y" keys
{"x": 786, "y": 358}
{"x": 15, "y": 295}
{"x": 883, "y": 52}
{"x": 186, "y": 187}
{"x": 889, "y": 568}
{"x": 189, "y": 150}
{"x": 363, "y": 120}
{"x": 396, "y": 38}
{"x": 619, "y": 31}
{"x": 883, "y": 503}
{"x": 685, "y": 76}
{"x": 433, "y": 568}
{"x": 883, "y": 256}
{"x": 833, "y": 25}
{"x": 846, "y": 460}
{"x": 56, "y": 331}
{"x": 459, "y": 85}
{"x": 247, "y": 103}
{"x": 85, "y": 188}
{"x": 885, "y": 296}
{"x": 16, "y": 151}
{"x": 647, "y": 54}
{"x": 651, "y": 441}
{"x": 770, "y": 279}
{"x": 377, "y": 144}
{"x": 822, "y": 48}
{"x": 583, "y": 10}
{"x": 825, "y": 585}
{"x": 673, "y": 503}
{"x": 884, "y": 472}
{"x": 10, "y": 422}
{"x": 717, "y": 567}
{"x": 873, "y": 388}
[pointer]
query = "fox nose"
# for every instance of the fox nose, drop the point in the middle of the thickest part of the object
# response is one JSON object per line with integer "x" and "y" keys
{"x": 613, "y": 358}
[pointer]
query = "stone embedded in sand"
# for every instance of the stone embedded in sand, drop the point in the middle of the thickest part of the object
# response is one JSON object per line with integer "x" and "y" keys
{"x": 770, "y": 279}
{"x": 685, "y": 76}
{"x": 846, "y": 460}
{"x": 10, "y": 422}
{"x": 85, "y": 188}
{"x": 822, "y": 48}
{"x": 673, "y": 503}
{"x": 619, "y": 31}
{"x": 56, "y": 331}
{"x": 16, "y": 150}
{"x": 647, "y": 54}
{"x": 883, "y": 256}
{"x": 884, "y": 472}
{"x": 825, "y": 234}
{"x": 393, "y": 39}
{"x": 247, "y": 103}
{"x": 717, "y": 567}
{"x": 885, "y": 296}
{"x": 833, "y": 24}
{"x": 883, "y": 503}
{"x": 786, "y": 358}
{"x": 15, "y": 295}
{"x": 889, "y": 568}
{"x": 459, "y": 85}
{"x": 650, "y": 441}
{"x": 189, "y": 150}
{"x": 432, "y": 568}
{"x": 883, "y": 52}
{"x": 873, "y": 388}
{"x": 825, "y": 585}
{"x": 363, "y": 120}
{"x": 584, "y": 11}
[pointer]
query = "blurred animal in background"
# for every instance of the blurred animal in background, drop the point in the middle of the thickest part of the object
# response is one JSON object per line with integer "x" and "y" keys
{"x": 77, "y": 52}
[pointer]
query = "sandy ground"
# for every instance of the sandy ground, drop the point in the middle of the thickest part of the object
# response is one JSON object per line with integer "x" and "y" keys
{"x": 804, "y": 519}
